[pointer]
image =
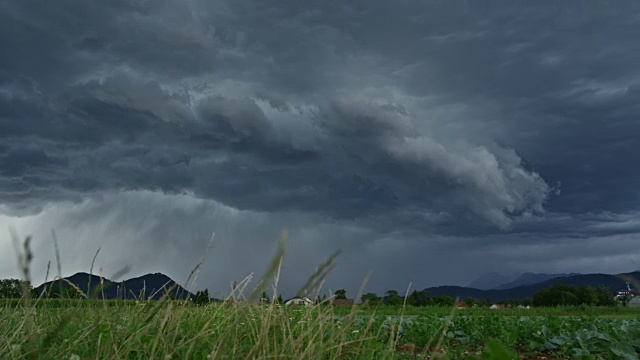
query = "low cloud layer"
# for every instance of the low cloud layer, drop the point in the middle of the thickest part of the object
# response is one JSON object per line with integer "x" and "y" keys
{"x": 402, "y": 129}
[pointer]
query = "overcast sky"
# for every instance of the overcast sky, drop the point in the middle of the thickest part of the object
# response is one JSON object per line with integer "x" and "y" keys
{"x": 432, "y": 141}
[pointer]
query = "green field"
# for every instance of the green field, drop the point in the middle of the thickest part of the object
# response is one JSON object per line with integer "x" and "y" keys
{"x": 83, "y": 329}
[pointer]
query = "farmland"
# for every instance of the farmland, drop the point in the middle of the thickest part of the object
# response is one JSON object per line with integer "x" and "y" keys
{"x": 68, "y": 329}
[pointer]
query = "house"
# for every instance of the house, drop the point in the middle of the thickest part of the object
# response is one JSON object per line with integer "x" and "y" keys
{"x": 297, "y": 300}
{"x": 461, "y": 305}
{"x": 497, "y": 306}
{"x": 625, "y": 293}
{"x": 622, "y": 294}
{"x": 342, "y": 302}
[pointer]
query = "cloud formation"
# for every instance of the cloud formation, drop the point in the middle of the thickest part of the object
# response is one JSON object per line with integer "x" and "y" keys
{"x": 410, "y": 121}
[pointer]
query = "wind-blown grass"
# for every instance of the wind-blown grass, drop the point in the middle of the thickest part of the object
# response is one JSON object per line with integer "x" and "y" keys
{"x": 96, "y": 329}
{"x": 236, "y": 329}
{"x": 242, "y": 329}
{"x": 176, "y": 330}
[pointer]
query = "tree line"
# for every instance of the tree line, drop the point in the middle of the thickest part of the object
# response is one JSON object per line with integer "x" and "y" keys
{"x": 567, "y": 295}
{"x": 416, "y": 298}
{"x": 557, "y": 295}
{"x": 14, "y": 289}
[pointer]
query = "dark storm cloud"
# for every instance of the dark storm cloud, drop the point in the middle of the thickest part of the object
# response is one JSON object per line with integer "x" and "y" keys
{"x": 413, "y": 119}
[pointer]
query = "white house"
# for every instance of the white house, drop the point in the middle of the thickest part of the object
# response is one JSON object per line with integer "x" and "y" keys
{"x": 628, "y": 292}
{"x": 297, "y": 300}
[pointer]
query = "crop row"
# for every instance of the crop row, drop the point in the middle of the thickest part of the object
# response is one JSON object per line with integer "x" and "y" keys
{"x": 575, "y": 337}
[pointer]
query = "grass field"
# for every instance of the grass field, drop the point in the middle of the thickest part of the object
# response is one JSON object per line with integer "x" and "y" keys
{"x": 87, "y": 329}
{"x": 114, "y": 329}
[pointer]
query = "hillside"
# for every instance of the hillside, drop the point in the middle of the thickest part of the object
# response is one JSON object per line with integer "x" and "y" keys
{"x": 491, "y": 280}
{"x": 153, "y": 286}
{"x": 530, "y": 279}
{"x": 614, "y": 282}
{"x": 150, "y": 286}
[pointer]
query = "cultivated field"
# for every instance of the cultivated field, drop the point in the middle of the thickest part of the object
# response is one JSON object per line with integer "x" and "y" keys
{"x": 174, "y": 329}
{"x": 90, "y": 329}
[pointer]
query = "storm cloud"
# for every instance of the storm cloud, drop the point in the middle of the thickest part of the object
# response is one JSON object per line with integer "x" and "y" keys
{"x": 402, "y": 132}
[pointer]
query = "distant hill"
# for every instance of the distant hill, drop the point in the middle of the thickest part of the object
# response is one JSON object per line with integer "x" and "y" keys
{"x": 491, "y": 280}
{"x": 530, "y": 279}
{"x": 614, "y": 282}
{"x": 150, "y": 286}
{"x": 154, "y": 286}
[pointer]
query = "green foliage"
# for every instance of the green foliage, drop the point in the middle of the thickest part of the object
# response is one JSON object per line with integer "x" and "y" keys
{"x": 392, "y": 298}
{"x": 624, "y": 300}
{"x": 12, "y": 289}
{"x": 393, "y": 301}
{"x": 167, "y": 330}
{"x": 566, "y": 295}
{"x": 411, "y": 301}
{"x": 603, "y": 294}
{"x": 473, "y": 302}
{"x": 54, "y": 291}
{"x": 418, "y": 298}
{"x": 391, "y": 293}
{"x": 579, "y": 337}
{"x": 71, "y": 292}
{"x": 202, "y": 297}
{"x": 443, "y": 300}
{"x": 494, "y": 349}
{"x": 264, "y": 298}
{"x": 587, "y": 295}
{"x": 371, "y": 299}
{"x": 341, "y": 294}
{"x": 181, "y": 330}
{"x": 59, "y": 291}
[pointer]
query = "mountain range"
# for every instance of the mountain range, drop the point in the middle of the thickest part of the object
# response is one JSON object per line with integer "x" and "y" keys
{"x": 154, "y": 286}
{"x": 530, "y": 279}
{"x": 150, "y": 286}
{"x": 497, "y": 281}
{"x": 492, "y": 280}
{"x": 500, "y": 293}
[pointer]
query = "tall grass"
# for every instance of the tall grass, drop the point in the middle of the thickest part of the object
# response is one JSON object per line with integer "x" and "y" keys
{"x": 175, "y": 330}
{"x": 239, "y": 328}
